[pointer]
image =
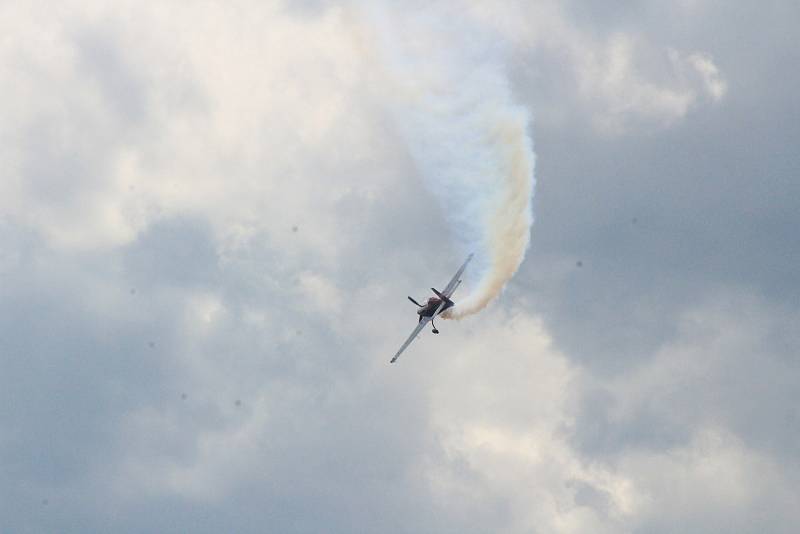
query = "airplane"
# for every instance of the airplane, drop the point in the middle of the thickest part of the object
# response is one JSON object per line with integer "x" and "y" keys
{"x": 434, "y": 307}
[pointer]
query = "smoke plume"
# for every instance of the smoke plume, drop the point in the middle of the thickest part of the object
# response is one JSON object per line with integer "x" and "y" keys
{"x": 452, "y": 102}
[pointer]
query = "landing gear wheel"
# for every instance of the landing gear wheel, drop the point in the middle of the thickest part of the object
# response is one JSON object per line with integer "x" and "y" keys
{"x": 435, "y": 331}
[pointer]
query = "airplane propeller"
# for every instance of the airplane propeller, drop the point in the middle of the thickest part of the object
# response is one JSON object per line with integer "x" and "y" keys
{"x": 415, "y": 302}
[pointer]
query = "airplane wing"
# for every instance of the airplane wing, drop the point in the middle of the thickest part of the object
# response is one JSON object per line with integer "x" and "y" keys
{"x": 422, "y": 324}
{"x": 451, "y": 287}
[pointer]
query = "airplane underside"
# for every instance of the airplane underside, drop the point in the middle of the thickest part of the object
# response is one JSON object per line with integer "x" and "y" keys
{"x": 433, "y": 307}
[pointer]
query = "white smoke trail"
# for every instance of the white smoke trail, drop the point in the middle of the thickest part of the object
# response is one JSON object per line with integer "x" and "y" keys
{"x": 453, "y": 104}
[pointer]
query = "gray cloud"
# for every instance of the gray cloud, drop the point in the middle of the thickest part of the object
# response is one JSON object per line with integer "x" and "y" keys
{"x": 177, "y": 356}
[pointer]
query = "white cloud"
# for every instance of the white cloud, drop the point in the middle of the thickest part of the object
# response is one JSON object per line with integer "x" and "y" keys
{"x": 711, "y": 483}
{"x": 715, "y": 84}
{"x": 505, "y": 405}
{"x": 621, "y": 80}
{"x": 225, "y": 102}
{"x": 502, "y": 402}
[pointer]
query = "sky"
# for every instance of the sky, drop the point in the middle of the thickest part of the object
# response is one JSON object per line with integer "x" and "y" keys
{"x": 211, "y": 215}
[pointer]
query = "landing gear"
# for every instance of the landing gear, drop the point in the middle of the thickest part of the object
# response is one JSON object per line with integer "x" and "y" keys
{"x": 435, "y": 331}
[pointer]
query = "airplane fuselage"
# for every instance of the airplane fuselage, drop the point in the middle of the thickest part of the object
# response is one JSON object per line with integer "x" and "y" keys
{"x": 427, "y": 312}
{"x": 431, "y": 306}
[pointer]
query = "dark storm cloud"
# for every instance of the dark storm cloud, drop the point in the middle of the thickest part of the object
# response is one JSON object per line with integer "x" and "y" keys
{"x": 75, "y": 359}
{"x": 662, "y": 223}
{"x": 74, "y": 371}
{"x": 713, "y": 198}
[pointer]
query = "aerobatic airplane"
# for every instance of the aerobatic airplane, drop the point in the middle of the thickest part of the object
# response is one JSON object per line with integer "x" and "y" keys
{"x": 434, "y": 307}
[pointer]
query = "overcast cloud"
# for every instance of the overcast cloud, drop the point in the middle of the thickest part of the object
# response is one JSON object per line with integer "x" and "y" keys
{"x": 209, "y": 223}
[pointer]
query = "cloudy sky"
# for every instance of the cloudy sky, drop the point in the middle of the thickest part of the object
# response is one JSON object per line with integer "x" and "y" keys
{"x": 210, "y": 220}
